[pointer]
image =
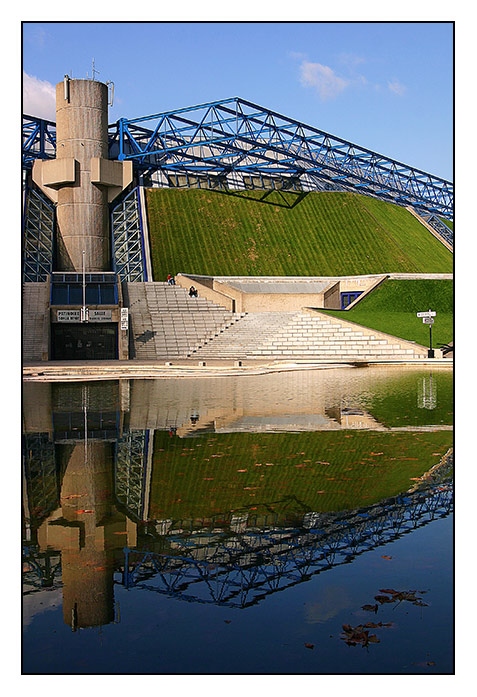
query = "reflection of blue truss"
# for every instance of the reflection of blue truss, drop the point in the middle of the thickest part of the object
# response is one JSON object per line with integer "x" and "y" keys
{"x": 237, "y": 137}
{"x": 130, "y": 467}
{"x": 41, "y": 569}
{"x": 240, "y": 570}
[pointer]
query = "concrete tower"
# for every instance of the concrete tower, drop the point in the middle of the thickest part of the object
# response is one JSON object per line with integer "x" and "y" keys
{"x": 81, "y": 180}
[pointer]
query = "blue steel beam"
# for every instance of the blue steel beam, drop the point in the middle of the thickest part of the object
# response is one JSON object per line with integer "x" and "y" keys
{"x": 236, "y": 135}
{"x": 39, "y": 139}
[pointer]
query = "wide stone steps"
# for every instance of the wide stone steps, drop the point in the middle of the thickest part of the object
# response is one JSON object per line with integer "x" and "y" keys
{"x": 302, "y": 335}
{"x": 166, "y": 323}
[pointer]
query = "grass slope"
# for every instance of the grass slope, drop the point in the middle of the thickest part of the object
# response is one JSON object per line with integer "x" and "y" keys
{"x": 285, "y": 234}
{"x": 392, "y": 308}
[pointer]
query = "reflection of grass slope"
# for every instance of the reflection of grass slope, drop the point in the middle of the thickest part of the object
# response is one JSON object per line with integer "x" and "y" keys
{"x": 285, "y": 233}
{"x": 285, "y": 473}
{"x": 398, "y": 401}
{"x": 392, "y": 308}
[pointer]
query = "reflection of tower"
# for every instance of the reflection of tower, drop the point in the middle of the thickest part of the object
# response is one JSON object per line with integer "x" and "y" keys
{"x": 87, "y": 529}
{"x": 87, "y": 564}
{"x": 81, "y": 179}
{"x": 426, "y": 393}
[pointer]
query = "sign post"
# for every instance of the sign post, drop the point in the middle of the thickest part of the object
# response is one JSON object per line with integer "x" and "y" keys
{"x": 428, "y": 318}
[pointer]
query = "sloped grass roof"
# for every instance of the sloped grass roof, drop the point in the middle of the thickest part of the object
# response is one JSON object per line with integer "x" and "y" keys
{"x": 278, "y": 233}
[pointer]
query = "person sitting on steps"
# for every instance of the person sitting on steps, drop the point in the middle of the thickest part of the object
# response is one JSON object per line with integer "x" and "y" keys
{"x": 171, "y": 280}
{"x": 193, "y": 292}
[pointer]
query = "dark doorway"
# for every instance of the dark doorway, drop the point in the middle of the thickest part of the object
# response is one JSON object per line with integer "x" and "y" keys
{"x": 84, "y": 342}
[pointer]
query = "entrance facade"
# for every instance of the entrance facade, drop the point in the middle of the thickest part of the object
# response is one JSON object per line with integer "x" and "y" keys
{"x": 84, "y": 342}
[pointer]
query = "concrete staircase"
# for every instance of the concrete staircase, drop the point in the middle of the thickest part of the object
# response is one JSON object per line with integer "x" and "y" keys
{"x": 305, "y": 335}
{"x": 35, "y": 304}
{"x": 166, "y": 323}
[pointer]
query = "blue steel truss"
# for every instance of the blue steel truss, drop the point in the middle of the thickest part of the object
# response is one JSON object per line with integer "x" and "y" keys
{"x": 38, "y": 235}
{"x": 236, "y": 137}
{"x": 39, "y": 139}
{"x": 128, "y": 239}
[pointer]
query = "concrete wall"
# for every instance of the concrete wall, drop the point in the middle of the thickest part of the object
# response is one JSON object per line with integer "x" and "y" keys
{"x": 186, "y": 281}
{"x": 219, "y": 291}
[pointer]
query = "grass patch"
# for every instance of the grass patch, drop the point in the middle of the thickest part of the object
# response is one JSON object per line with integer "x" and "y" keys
{"x": 393, "y": 306}
{"x": 286, "y": 234}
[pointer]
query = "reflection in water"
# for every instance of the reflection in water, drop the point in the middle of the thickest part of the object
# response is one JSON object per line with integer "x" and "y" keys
{"x": 427, "y": 393}
{"x": 203, "y": 489}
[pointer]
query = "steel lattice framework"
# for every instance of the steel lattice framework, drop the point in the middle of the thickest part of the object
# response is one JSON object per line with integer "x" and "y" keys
{"x": 38, "y": 226}
{"x": 127, "y": 238}
{"x": 240, "y": 571}
{"x": 130, "y": 471}
{"x": 234, "y": 137}
{"x": 39, "y": 139}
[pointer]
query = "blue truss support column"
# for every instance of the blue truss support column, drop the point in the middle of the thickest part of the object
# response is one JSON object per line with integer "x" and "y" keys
{"x": 39, "y": 220}
{"x": 129, "y": 258}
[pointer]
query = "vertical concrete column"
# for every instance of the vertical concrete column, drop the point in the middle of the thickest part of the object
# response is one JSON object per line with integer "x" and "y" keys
{"x": 82, "y": 207}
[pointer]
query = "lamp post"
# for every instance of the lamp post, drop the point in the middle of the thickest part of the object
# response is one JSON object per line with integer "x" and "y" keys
{"x": 84, "y": 310}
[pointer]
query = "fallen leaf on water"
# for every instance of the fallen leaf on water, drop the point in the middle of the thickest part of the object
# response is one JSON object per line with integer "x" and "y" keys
{"x": 358, "y": 635}
{"x": 424, "y": 663}
{"x": 383, "y": 556}
{"x": 370, "y": 608}
{"x": 227, "y": 621}
{"x": 383, "y": 599}
{"x": 72, "y": 496}
{"x": 82, "y": 511}
{"x": 124, "y": 532}
{"x": 310, "y": 646}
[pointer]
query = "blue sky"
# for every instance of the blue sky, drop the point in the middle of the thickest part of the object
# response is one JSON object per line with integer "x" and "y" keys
{"x": 384, "y": 86}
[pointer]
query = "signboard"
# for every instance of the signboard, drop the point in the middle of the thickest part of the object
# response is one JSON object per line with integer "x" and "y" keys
{"x": 100, "y": 315}
{"x": 68, "y": 315}
{"x": 428, "y": 320}
{"x": 429, "y": 313}
{"x": 124, "y": 318}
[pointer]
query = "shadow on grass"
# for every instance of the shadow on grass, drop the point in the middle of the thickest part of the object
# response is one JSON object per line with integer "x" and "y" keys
{"x": 283, "y": 201}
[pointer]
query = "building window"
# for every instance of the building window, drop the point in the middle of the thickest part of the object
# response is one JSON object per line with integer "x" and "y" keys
{"x": 95, "y": 294}
{"x": 348, "y": 298}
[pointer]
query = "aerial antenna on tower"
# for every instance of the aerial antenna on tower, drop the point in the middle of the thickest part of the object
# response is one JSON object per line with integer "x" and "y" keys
{"x": 94, "y": 71}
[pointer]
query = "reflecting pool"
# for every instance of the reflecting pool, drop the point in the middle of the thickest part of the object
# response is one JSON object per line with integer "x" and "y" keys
{"x": 292, "y": 523}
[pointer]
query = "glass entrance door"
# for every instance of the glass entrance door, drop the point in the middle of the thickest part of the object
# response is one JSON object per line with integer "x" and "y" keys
{"x": 84, "y": 342}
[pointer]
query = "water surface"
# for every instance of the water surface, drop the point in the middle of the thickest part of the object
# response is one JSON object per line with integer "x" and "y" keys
{"x": 287, "y": 523}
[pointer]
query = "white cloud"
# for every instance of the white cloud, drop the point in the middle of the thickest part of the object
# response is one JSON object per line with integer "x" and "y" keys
{"x": 39, "y": 97}
{"x": 323, "y": 79}
{"x": 397, "y": 87}
{"x": 351, "y": 60}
